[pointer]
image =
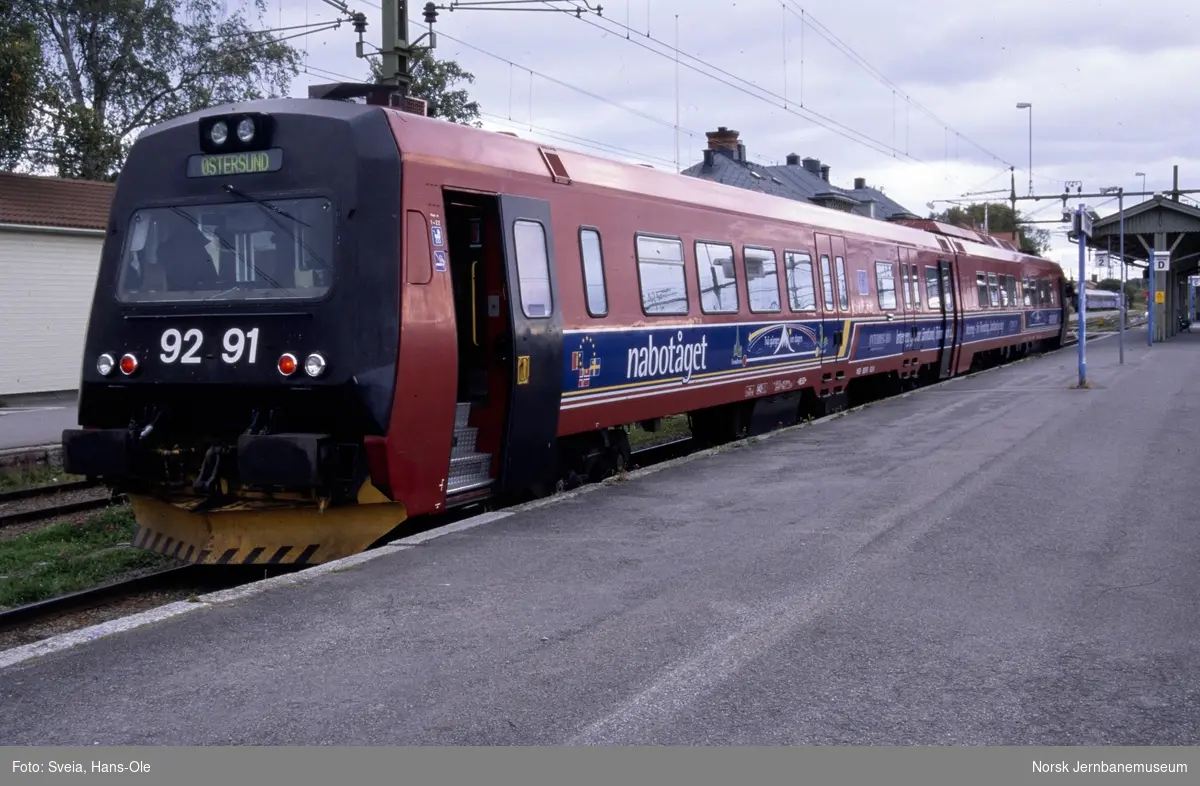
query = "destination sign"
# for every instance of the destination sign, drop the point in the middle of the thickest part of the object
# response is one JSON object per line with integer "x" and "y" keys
{"x": 244, "y": 163}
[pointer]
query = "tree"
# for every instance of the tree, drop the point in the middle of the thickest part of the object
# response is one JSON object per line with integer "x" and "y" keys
{"x": 432, "y": 80}
{"x": 1109, "y": 284}
{"x": 20, "y": 57}
{"x": 1000, "y": 218}
{"x": 111, "y": 68}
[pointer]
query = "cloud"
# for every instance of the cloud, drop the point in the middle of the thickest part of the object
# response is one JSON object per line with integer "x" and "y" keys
{"x": 1103, "y": 81}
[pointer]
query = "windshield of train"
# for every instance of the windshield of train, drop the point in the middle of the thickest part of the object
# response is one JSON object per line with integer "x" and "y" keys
{"x": 249, "y": 250}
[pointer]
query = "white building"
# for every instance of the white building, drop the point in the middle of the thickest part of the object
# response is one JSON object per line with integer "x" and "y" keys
{"x": 51, "y": 233}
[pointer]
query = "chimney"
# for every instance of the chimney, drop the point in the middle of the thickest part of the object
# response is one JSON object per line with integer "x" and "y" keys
{"x": 709, "y": 159}
{"x": 812, "y": 165}
{"x": 723, "y": 140}
{"x": 793, "y": 159}
{"x": 825, "y": 172}
{"x": 860, "y": 182}
{"x": 741, "y": 152}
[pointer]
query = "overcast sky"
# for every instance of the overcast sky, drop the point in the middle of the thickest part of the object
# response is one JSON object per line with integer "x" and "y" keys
{"x": 932, "y": 115}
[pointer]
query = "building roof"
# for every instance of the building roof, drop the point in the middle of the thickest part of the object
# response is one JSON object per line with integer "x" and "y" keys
{"x": 807, "y": 180}
{"x": 34, "y": 200}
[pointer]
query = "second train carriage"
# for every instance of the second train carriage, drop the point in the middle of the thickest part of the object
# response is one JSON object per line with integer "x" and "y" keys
{"x": 382, "y": 315}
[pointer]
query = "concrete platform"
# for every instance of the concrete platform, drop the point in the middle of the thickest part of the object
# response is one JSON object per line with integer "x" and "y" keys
{"x": 998, "y": 560}
{"x": 36, "y": 420}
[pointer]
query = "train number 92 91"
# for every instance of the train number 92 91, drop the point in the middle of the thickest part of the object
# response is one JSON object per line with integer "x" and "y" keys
{"x": 185, "y": 347}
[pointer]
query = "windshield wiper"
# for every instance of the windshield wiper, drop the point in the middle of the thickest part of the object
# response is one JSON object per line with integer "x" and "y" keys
{"x": 264, "y": 204}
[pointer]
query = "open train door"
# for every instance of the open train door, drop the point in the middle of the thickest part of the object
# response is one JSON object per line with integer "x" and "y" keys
{"x": 529, "y": 456}
{"x": 948, "y": 346}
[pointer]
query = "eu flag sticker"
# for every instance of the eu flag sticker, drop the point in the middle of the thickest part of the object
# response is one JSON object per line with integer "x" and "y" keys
{"x": 439, "y": 261}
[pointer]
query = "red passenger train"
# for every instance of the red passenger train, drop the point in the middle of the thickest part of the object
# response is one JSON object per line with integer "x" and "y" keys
{"x": 315, "y": 319}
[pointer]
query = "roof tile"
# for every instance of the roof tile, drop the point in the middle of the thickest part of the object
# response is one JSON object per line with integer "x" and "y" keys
{"x": 54, "y": 201}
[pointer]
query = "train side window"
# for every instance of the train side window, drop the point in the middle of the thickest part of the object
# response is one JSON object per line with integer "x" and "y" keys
{"x": 947, "y": 289}
{"x": 933, "y": 290}
{"x": 802, "y": 294}
{"x": 827, "y": 282}
{"x": 533, "y": 268}
{"x": 1027, "y": 286}
{"x": 717, "y": 278}
{"x": 993, "y": 290}
{"x": 592, "y": 256}
{"x": 762, "y": 279}
{"x": 981, "y": 285}
{"x": 660, "y": 271}
{"x": 916, "y": 286}
{"x": 885, "y": 284}
{"x": 1011, "y": 282}
{"x": 843, "y": 293}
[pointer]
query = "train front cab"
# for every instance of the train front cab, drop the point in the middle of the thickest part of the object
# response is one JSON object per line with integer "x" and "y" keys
{"x": 241, "y": 348}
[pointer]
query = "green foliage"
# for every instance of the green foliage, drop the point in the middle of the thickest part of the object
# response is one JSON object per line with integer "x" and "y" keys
{"x": 1109, "y": 284}
{"x": 1000, "y": 218}
{"x": 434, "y": 80}
{"x": 111, "y": 68}
{"x": 19, "y": 60}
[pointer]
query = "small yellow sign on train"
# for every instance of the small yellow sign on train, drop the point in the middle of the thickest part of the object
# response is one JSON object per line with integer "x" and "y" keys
{"x": 523, "y": 369}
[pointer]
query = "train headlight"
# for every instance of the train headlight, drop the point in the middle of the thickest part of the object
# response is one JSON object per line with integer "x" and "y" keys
{"x": 129, "y": 364}
{"x": 105, "y": 364}
{"x": 219, "y": 133}
{"x": 314, "y": 366}
{"x": 287, "y": 364}
{"x": 245, "y": 130}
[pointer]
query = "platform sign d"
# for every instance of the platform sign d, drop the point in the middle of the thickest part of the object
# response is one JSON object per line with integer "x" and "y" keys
{"x": 1162, "y": 261}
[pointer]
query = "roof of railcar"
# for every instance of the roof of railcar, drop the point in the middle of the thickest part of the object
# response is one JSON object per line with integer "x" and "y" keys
{"x": 453, "y": 145}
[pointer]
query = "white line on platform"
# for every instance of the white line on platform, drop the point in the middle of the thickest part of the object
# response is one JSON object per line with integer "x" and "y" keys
{"x": 74, "y": 638}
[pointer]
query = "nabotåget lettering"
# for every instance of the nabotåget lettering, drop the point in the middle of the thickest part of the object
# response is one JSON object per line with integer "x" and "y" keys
{"x": 670, "y": 358}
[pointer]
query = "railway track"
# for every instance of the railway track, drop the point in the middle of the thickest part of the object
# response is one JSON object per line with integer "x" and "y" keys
{"x": 54, "y": 509}
{"x": 181, "y": 581}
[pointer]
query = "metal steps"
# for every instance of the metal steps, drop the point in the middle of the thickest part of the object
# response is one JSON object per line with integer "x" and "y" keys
{"x": 469, "y": 469}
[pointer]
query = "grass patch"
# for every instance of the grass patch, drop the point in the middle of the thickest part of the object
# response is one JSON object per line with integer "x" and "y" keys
{"x": 70, "y": 557}
{"x": 669, "y": 429}
{"x": 27, "y": 474}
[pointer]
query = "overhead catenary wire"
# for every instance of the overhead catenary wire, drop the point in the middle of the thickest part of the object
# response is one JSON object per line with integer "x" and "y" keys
{"x": 553, "y": 133}
{"x": 767, "y": 95}
{"x": 807, "y": 20}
